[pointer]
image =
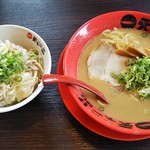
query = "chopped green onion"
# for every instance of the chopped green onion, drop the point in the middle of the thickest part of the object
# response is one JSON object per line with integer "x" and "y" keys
{"x": 101, "y": 108}
{"x": 33, "y": 54}
{"x": 136, "y": 77}
{"x": 10, "y": 64}
{"x": 18, "y": 78}
{"x": 144, "y": 34}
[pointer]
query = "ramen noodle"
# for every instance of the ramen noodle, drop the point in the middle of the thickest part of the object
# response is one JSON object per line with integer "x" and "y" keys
{"x": 20, "y": 72}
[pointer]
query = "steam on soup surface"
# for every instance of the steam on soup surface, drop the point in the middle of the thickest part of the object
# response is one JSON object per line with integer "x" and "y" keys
{"x": 109, "y": 53}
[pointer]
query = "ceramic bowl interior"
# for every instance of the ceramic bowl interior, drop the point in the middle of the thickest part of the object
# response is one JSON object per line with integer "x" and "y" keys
{"x": 28, "y": 39}
{"x": 88, "y": 31}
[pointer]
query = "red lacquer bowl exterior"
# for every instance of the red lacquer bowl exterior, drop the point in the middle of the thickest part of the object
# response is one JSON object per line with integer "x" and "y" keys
{"x": 86, "y": 120}
{"x": 88, "y": 31}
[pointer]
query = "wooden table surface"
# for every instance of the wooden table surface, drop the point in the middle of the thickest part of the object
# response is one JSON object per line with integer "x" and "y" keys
{"x": 45, "y": 123}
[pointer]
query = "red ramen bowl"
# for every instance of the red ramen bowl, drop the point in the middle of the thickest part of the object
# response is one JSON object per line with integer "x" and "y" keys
{"x": 88, "y": 31}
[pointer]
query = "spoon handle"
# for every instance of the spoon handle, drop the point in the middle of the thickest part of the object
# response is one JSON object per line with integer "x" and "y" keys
{"x": 54, "y": 78}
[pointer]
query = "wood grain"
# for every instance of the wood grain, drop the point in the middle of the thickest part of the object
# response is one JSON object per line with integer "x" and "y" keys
{"x": 45, "y": 123}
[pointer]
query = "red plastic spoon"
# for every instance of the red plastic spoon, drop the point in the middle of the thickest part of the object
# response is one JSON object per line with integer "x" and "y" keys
{"x": 54, "y": 78}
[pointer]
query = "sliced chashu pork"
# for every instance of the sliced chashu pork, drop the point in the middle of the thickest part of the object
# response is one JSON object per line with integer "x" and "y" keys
{"x": 103, "y": 61}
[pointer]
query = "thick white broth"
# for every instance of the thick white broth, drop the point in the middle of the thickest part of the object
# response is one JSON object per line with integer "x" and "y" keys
{"x": 123, "y": 105}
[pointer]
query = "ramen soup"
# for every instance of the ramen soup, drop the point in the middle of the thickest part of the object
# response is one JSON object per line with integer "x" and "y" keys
{"x": 104, "y": 63}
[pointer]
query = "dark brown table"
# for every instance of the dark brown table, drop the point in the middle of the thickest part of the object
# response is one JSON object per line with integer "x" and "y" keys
{"x": 45, "y": 123}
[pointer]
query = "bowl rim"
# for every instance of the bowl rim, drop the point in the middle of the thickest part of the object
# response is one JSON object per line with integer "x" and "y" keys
{"x": 84, "y": 119}
{"x": 136, "y": 131}
{"x": 40, "y": 85}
